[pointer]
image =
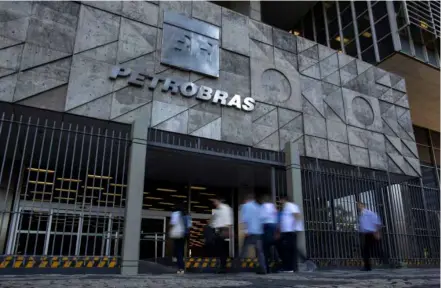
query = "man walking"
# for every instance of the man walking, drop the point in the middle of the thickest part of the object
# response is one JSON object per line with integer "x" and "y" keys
{"x": 253, "y": 230}
{"x": 268, "y": 216}
{"x": 288, "y": 238}
{"x": 221, "y": 223}
{"x": 300, "y": 228}
{"x": 370, "y": 226}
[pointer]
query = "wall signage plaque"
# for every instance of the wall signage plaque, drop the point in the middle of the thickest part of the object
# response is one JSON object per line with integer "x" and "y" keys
{"x": 186, "y": 89}
{"x": 190, "y": 44}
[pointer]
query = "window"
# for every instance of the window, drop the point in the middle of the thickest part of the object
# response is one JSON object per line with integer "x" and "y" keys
{"x": 435, "y": 139}
{"x": 360, "y": 7}
{"x": 429, "y": 176}
{"x": 379, "y": 10}
{"x": 417, "y": 41}
{"x": 346, "y": 16}
{"x": 425, "y": 154}
{"x": 320, "y": 24}
{"x": 308, "y": 29}
{"x": 382, "y": 28}
{"x": 331, "y": 11}
{"x": 421, "y": 135}
{"x": 401, "y": 17}
{"x": 363, "y": 22}
{"x": 369, "y": 55}
{"x": 344, "y": 5}
{"x": 351, "y": 49}
{"x": 365, "y": 39}
{"x": 348, "y": 33}
{"x": 429, "y": 42}
{"x": 404, "y": 38}
{"x": 386, "y": 47}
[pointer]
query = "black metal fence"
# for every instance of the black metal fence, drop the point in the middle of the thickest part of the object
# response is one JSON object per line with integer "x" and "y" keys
{"x": 62, "y": 186}
{"x": 409, "y": 212}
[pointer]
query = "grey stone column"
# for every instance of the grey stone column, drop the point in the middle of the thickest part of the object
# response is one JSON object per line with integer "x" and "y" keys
{"x": 135, "y": 188}
{"x": 294, "y": 184}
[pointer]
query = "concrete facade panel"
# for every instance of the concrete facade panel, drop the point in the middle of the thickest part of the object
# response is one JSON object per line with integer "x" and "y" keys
{"x": 343, "y": 105}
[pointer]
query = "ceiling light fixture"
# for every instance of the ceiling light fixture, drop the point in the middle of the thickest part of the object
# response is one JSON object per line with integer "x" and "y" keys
{"x": 111, "y": 194}
{"x": 42, "y": 192}
{"x": 345, "y": 40}
{"x": 92, "y": 187}
{"x": 65, "y": 190}
{"x": 69, "y": 180}
{"x": 99, "y": 176}
{"x": 208, "y": 194}
{"x": 40, "y": 182}
{"x": 179, "y": 196}
{"x": 196, "y": 206}
{"x": 64, "y": 198}
{"x": 41, "y": 170}
{"x": 165, "y": 190}
{"x": 167, "y": 203}
{"x": 366, "y": 34}
{"x": 118, "y": 185}
{"x": 197, "y": 188}
{"x": 154, "y": 198}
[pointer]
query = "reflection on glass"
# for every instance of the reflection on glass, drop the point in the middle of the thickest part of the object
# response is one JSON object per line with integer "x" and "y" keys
{"x": 196, "y": 241}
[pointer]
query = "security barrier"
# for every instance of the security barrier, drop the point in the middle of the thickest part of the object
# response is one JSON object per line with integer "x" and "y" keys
{"x": 18, "y": 262}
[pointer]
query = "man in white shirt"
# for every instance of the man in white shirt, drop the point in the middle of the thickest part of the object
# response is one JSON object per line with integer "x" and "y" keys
{"x": 288, "y": 238}
{"x": 221, "y": 222}
{"x": 299, "y": 228}
{"x": 370, "y": 226}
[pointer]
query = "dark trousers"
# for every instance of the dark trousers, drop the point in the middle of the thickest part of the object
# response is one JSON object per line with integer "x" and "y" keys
{"x": 268, "y": 243}
{"x": 288, "y": 251}
{"x": 221, "y": 248}
{"x": 369, "y": 241}
{"x": 179, "y": 246}
{"x": 256, "y": 241}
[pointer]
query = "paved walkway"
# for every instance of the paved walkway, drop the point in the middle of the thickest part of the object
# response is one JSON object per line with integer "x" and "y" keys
{"x": 335, "y": 278}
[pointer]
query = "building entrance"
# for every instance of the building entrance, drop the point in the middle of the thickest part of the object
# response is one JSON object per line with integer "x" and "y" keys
{"x": 181, "y": 180}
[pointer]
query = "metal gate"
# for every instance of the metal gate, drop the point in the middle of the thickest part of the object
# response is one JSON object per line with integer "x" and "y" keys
{"x": 62, "y": 191}
{"x": 409, "y": 213}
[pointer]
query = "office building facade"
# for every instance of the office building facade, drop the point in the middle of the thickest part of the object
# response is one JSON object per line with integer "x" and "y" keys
{"x": 115, "y": 113}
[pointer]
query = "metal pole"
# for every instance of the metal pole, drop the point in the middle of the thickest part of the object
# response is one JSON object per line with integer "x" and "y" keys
{"x": 273, "y": 184}
{"x": 374, "y": 33}
{"x": 294, "y": 185}
{"x": 426, "y": 215}
{"x": 133, "y": 210}
{"x": 393, "y": 25}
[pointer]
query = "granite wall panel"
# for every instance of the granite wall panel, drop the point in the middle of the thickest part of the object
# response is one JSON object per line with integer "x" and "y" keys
{"x": 58, "y": 55}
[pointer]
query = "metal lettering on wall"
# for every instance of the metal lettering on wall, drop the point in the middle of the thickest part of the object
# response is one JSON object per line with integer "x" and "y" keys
{"x": 190, "y": 44}
{"x": 186, "y": 89}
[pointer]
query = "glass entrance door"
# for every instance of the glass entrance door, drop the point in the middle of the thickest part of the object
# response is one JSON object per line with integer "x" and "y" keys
{"x": 152, "y": 238}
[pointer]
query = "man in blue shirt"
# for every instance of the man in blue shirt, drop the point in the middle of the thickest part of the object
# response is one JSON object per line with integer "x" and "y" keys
{"x": 253, "y": 230}
{"x": 370, "y": 226}
{"x": 268, "y": 215}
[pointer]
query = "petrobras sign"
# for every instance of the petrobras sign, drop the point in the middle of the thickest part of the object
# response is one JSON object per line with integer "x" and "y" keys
{"x": 185, "y": 89}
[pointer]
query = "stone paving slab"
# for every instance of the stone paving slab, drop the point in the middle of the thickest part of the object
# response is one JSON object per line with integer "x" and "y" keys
{"x": 329, "y": 279}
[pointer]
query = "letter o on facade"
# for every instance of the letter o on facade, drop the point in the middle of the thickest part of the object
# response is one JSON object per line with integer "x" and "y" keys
{"x": 188, "y": 89}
